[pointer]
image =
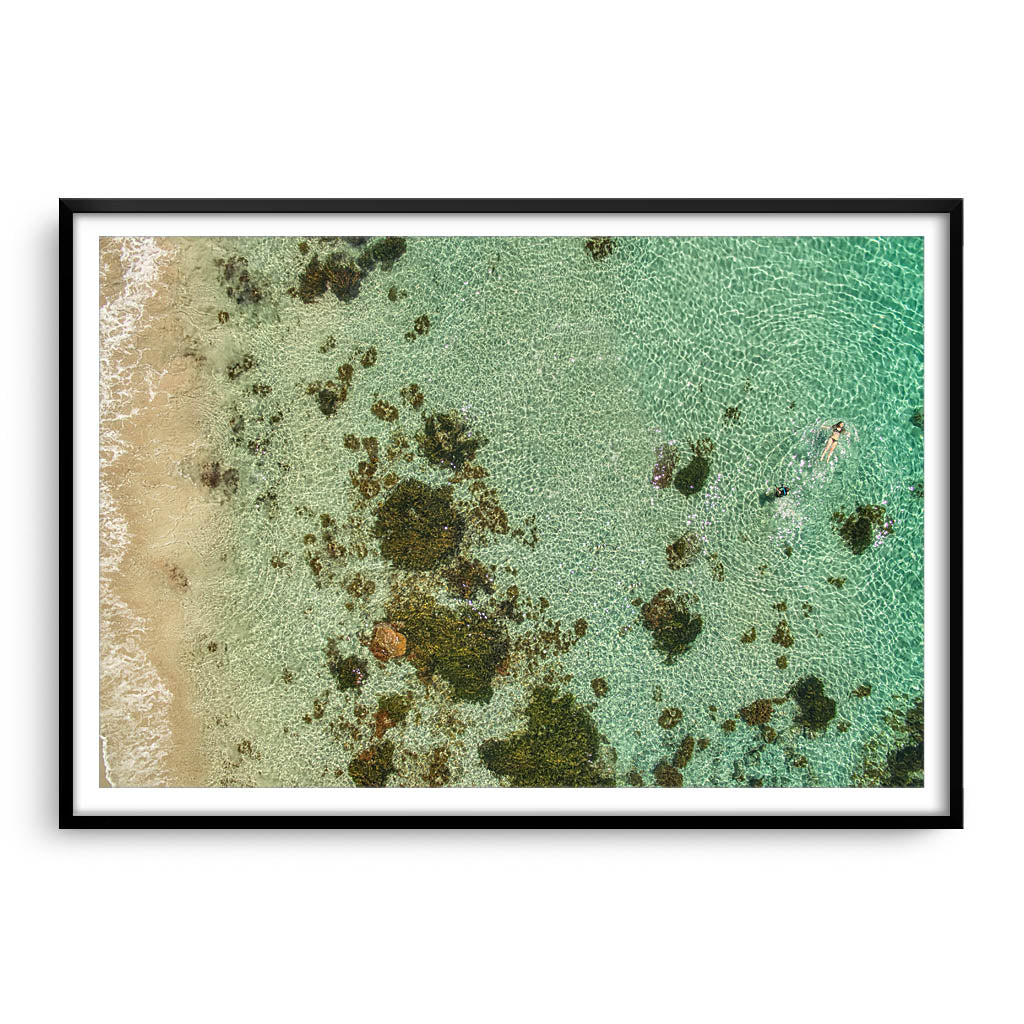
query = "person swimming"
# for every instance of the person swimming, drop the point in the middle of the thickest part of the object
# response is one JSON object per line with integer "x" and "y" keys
{"x": 830, "y": 445}
{"x": 775, "y": 492}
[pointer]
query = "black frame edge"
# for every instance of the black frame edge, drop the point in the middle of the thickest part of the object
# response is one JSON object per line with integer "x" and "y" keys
{"x": 953, "y": 207}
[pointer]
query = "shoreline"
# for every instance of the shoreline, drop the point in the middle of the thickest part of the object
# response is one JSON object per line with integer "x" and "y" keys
{"x": 156, "y": 530}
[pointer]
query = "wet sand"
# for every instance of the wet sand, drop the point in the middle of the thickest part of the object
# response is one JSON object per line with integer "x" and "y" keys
{"x": 157, "y": 530}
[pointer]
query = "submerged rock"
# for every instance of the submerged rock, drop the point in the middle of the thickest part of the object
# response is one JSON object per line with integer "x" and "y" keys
{"x": 387, "y": 642}
{"x": 694, "y": 475}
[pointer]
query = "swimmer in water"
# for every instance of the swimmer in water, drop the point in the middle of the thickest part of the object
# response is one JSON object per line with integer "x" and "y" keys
{"x": 830, "y": 445}
{"x": 775, "y": 492}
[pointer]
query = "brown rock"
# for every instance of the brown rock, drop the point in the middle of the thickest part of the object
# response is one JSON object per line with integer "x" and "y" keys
{"x": 387, "y": 642}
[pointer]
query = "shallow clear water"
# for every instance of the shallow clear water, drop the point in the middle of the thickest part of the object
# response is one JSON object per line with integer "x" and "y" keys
{"x": 576, "y": 371}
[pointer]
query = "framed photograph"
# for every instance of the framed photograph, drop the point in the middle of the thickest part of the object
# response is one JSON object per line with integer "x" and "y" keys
{"x": 536, "y": 513}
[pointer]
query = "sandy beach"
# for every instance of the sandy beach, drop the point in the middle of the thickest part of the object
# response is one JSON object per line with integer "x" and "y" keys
{"x": 156, "y": 525}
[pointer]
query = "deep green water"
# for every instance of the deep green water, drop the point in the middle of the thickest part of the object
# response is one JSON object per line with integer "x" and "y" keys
{"x": 575, "y": 371}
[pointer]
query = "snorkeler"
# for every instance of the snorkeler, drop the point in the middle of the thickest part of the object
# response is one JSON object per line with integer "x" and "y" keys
{"x": 830, "y": 445}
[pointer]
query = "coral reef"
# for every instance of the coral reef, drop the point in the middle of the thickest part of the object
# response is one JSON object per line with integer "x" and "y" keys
{"x": 670, "y": 718}
{"x": 466, "y": 576}
{"x": 391, "y": 712}
{"x": 667, "y": 776}
{"x": 386, "y": 252}
{"x": 336, "y": 272}
{"x": 215, "y": 476}
{"x": 782, "y": 635}
{"x": 239, "y": 284}
{"x": 384, "y": 411}
{"x": 420, "y": 326}
{"x": 906, "y": 764}
{"x": 682, "y": 756}
{"x": 412, "y": 394}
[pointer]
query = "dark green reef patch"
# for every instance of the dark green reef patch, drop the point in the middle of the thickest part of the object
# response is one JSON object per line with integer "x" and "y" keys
{"x": 328, "y": 394}
{"x": 684, "y": 550}
{"x": 816, "y": 709}
{"x": 859, "y": 530}
{"x": 385, "y": 252}
{"x": 447, "y": 441}
{"x": 349, "y": 672}
{"x": 672, "y": 625}
{"x": 758, "y": 712}
{"x": 336, "y": 272}
{"x": 464, "y": 577}
{"x": 558, "y": 747}
{"x": 372, "y": 767}
{"x": 906, "y": 764}
{"x": 418, "y": 526}
{"x": 600, "y": 248}
{"x": 464, "y": 646}
{"x": 694, "y": 475}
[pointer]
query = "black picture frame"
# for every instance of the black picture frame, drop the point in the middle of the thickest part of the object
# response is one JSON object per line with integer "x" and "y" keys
{"x": 952, "y": 208}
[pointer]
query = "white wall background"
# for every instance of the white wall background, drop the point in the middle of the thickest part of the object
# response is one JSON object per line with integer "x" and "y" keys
{"x": 786, "y": 99}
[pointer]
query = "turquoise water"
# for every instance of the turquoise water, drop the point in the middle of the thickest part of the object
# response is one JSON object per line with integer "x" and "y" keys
{"x": 577, "y": 371}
